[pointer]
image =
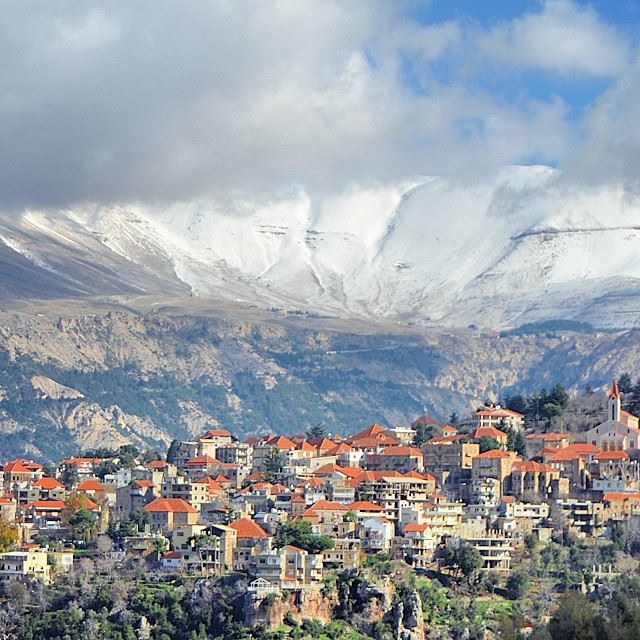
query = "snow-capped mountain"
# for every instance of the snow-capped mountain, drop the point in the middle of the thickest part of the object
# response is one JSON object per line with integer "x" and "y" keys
{"x": 524, "y": 246}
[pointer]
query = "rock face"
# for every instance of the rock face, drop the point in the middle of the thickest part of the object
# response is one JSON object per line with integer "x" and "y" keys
{"x": 75, "y": 377}
{"x": 358, "y": 601}
{"x": 407, "y": 621}
{"x": 51, "y": 389}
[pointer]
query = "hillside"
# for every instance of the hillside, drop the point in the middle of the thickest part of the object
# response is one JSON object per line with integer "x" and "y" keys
{"x": 81, "y": 376}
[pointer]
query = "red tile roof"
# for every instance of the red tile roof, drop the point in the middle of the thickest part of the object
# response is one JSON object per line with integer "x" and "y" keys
{"x": 282, "y": 442}
{"x": 144, "y": 483}
{"x": 91, "y": 485}
{"x": 48, "y": 483}
{"x": 170, "y": 505}
{"x": 200, "y": 461}
{"x": 248, "y": 529}
{"x": 494, "y": 453}
{"x": 416, "y": 528}
{"x": 21, "y": 466}
{"x": 530, "y": 466}
{"x": 498, "y": 413}
{"x": 612, "y": 496}
{"x": 488, "y": 432}
{"x": 403, "y": 451}
{"x": 215, "y": 433}
{"x": 157, "y": 464}
{"x": 364, "y": 505}
{"x": 373, "y": 430}
{"x": 48, "y": 505}
{"x": 612, "y": 455}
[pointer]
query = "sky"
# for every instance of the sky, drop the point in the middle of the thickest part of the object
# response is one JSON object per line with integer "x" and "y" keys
{"x": 159, "y": 102}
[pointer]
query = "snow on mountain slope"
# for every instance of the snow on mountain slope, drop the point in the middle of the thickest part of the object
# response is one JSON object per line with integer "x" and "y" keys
{"x": 524, "y": 246}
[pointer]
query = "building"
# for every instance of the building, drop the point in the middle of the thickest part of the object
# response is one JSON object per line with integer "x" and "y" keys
{"x": 492, "y": 465}
{"x": 497, "y": 416}
{"x": 376, "y": 534}
{"x": 22, "y": 566}
{"x": 168, "y": 513}
{"x": 399, "y": 458}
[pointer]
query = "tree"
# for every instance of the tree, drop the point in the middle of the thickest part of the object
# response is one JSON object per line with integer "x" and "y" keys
{"x": 8, "y": 535}
{"x": 469, "y": 560}
{"x": 518, "y": 584}
{"x": 424, "y": 432}
{"x": 625, "y": 385}
{"x": 516, "y": 441}
{"x": 465, "y": 558}
{"x": 488, "y": 443}
{"x": 69, "y": 475}
{"x": 454, "y": 419}
{"x": 173, "y": 451}
{"x": 577, "y": 619}
{"x": 273, "y": 465}
{"x": 316, "y": 431}
{"x": 82, "y": 524}
{"x": 300, "y": 534}
{"x": 517, "y": 403}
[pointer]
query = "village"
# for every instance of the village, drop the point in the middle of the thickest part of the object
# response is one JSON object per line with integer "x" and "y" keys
{"x": 288, "y": 510}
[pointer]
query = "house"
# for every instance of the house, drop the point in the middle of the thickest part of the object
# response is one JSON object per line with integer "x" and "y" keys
{"x": 23, "y": 566}
{"x": 8, "y": 509}
{"x": 345, "y": 554}
{"x": 268, "y": 448}
{"x": 288, "y": 567}
{"x": 168, "y": 513}
{"x": 212, "y": 440}
{"x": 396, "y": 493}
{"x": 45, "y": 514}
{"x": 496, "y": 416}
{"x": 396, "y": 458}
{"x": 535, "y": 443}
{"x": 492, "y": 465}
{"x": 449, "y": 458}
{"x": 405, "y": 435}
{"x": 532, "y": 481}
{"x": 376, "y": 534}
{"x": 48, "y": 489}
{"x": 195, "y": 492}
{"x": 252, "y": 540}
{"x": 20, "y": 473}
{"x": 206, "y": 549}
{"x": 372, "y": 439}
{"x": 133, "y": 497}
{"x": 490, "y": 433}
{"x": 422, "y": 544}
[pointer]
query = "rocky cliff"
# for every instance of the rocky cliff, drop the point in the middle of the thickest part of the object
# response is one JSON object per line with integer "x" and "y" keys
{"x": 78, "y": 376}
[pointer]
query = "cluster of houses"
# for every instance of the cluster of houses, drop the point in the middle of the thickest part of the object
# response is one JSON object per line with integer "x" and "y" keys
{"x": 217, "y": 503}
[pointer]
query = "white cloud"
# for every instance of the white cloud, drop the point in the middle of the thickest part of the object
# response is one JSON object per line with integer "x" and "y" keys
{"x": 562, "y": 37}
{"x": 170, "y": 101}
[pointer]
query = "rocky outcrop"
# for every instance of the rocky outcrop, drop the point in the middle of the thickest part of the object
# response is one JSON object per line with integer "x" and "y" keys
{"x": 406, "y": 618}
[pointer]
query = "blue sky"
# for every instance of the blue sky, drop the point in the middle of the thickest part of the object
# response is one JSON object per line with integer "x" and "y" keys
{"x": 169, "y": 101}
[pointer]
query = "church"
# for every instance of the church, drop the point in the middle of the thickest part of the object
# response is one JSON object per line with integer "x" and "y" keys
{"x": 619, "y": 432}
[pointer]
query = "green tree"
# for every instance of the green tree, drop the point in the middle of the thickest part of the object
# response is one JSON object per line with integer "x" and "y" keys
{"x": 316, "y": 431}
{"x": 300, "y": 534}
{"x": 273, "y": 465}
{"x": 82, "y": 524}
{"x": 488, "y": 443}
{"x": 516, "y": 441}
{"x": 625, "y": 385}
{"x": 577, "y": 619}
{"x": 518, "y": 584}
